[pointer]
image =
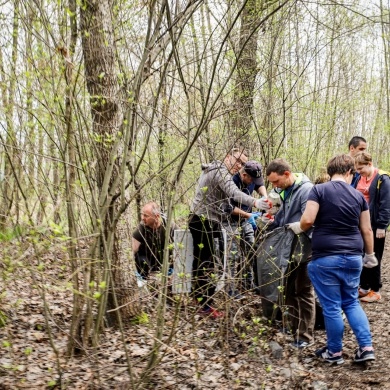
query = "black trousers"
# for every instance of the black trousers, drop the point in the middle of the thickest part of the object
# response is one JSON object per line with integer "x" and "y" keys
{"x": 145, "y": 265}
{"x": 370, "y": 278}
{"x": 206, "y": 236}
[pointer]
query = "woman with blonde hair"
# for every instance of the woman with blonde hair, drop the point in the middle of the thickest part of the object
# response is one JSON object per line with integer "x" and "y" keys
{"x": 374, "y": 184}
{"x": 323, "y": 177}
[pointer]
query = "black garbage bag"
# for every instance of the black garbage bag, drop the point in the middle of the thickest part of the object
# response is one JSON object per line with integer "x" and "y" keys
{"x": 278, "y": 252}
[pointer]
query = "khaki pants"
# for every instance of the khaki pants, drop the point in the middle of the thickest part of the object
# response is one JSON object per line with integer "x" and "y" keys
{"x": 300, "y": 300}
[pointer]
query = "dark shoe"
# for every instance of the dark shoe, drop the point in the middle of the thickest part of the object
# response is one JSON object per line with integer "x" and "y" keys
{"x": 329, "y": 357}
{"x": 257, "y": 291}
{"x": 211, "y": 312}
{"x": 363, "y": 355}
{"x": 300, "y": 344}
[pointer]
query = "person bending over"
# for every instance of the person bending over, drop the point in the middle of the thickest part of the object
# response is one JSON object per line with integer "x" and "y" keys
{"x": 341, "y": 221}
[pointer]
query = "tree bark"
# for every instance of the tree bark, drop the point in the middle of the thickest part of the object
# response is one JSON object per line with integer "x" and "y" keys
{"x": 242, "y": 117}
{"x": 8, "y": 185}
{"x": 107, "y": 110}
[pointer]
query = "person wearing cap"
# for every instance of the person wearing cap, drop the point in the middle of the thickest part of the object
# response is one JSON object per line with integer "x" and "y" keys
{"x": 211, "y": 210}
{"x": 248, "y": 179}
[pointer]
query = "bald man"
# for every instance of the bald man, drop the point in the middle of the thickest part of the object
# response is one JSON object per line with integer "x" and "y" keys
{"x": 149, "y": 238}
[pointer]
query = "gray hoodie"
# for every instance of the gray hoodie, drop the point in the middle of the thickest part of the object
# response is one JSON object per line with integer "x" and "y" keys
{"x": 213, "y": 193}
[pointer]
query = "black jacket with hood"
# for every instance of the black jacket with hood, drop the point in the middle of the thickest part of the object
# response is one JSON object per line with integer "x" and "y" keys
{"x": 379, "y": 205}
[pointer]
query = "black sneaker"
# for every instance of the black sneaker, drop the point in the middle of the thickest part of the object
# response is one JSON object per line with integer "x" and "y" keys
{"x": 363, "y": 355}
{"x": 329, "y": 357}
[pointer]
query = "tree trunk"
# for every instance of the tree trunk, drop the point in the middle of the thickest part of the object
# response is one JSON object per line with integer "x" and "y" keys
{"x": 242, "y": 117}
{"x": 7, "y": 184}
{"x": 106, "y": 100}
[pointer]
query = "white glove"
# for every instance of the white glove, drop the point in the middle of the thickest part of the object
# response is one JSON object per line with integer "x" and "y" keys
{"x": 295, "y": 227}
{"x": 263, "y": 204}
{"x": 267, "y": 218}
{"x": 369, "y": 260}
{"x": 380, "y": 233}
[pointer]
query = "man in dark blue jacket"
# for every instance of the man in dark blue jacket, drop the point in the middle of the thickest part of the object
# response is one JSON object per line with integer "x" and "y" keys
{"x": 248, "y": 179}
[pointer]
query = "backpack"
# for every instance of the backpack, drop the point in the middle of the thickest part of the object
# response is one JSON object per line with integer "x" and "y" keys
{"x": 381, "y": 173}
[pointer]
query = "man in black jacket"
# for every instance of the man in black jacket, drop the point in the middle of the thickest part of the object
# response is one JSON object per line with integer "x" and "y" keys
{"x": 149, "y": 238}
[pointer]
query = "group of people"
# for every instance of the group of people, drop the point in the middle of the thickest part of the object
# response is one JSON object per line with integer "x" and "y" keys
{"x": 346, "y": 215}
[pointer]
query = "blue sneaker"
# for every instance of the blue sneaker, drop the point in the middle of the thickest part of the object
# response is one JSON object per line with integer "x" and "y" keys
{"x": 364, "y": 355}
{"x": 300, "y": 344}
{"x": 329, "y": 357}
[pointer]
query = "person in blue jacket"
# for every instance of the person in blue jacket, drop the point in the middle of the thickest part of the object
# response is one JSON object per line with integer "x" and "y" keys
{"x": 248, "y": 179}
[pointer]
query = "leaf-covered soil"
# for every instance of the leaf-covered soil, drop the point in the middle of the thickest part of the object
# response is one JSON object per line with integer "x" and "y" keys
{"x": 240, "y": 351}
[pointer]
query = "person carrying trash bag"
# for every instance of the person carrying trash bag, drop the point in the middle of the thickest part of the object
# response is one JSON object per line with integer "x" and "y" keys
{"x": 278, "y": 255}
{"x": 286, "y": 267}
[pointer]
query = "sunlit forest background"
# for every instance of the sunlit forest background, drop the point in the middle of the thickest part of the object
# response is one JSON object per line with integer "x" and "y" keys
{"x": 107, "y": 104}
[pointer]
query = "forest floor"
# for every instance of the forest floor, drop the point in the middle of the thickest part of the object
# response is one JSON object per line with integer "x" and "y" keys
{"x": 239, "y": 351}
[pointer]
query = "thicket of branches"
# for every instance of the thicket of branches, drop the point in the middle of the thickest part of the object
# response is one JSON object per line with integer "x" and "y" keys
{"x": 107, "y": 104}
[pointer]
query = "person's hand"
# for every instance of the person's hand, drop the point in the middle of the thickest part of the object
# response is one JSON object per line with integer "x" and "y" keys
{"x": 369, "y": 260}
{"x": 267, "y": 218}
{"x": 256, "y": 215}
{"x": 273, "y": 210}
{"x": 295, "y": 227}
{"x": 263, "y": 204}
{"x": 252, "y": 221}
{"x": 380, "y": 233}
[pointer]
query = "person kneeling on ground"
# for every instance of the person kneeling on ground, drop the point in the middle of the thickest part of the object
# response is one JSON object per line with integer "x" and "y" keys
{"x": 149, "y": 239}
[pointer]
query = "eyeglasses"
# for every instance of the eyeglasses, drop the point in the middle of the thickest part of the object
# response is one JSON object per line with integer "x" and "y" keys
{"x": 238, "y": 160}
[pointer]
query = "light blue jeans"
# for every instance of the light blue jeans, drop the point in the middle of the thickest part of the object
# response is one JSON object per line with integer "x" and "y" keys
{"x": 336, "y": 281}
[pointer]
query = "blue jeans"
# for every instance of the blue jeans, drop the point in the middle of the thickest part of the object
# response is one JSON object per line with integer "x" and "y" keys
{"x": 336, "y": 281}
